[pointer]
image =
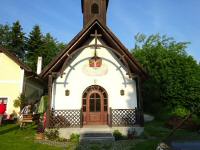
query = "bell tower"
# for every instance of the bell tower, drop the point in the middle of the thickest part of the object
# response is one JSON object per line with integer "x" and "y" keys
{"x": 94, "y": 8}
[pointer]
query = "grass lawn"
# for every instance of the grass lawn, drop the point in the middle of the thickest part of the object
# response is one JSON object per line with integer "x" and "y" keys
{"x": 14, "y": 138}
{"x": 157, "y": 130}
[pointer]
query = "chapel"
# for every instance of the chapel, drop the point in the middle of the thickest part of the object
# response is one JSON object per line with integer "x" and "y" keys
{"x": 95, "y": 80}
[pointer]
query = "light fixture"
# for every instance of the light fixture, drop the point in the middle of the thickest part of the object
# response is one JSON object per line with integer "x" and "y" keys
{"x": 122, "y": 92}
{"x": 67, "y": 92}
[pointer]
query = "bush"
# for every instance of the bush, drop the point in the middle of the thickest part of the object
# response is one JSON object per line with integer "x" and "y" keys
{"x": 190, "y": 124}
{"x": 20, "y": 101}
{"x": 180, "y": 112}
{"x": 74, "y": 138}
{"x": 52, "y": 134}
{"x": 117, "y": 135}
{"x": 17, "y": 103}
{"x": 196, "y": 119}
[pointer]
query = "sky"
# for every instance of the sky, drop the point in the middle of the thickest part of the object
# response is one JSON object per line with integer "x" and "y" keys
{"x": 179, "y": 19}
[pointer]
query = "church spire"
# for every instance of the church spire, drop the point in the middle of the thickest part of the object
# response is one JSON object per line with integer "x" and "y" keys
{"x": 94, "y": 8}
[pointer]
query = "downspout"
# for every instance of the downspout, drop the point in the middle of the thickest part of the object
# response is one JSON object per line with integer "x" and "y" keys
{"x": 22, "y": 81}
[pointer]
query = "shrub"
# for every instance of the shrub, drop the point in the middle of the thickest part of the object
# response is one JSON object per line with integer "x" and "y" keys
{"x": 180, "y": 112}
{"x": 62, "y": 140}
{"x": 52, "y": 134}
{"x": 117, "y": 135}
{"x": 20, "y": 101}
{"x": 17, "y": 103}
{"x": 74, "y": 138}
{"x": 196, "y": 119}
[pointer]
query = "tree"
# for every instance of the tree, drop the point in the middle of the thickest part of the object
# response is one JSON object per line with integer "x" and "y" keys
{"x": 28, "y": 49}
{"x": 39, "y": 45}
{"x": 34, "y": 42}
{"x": 20, "y": 101}
{"x": 5, "y": 36}
{"x": 48, "y": 49}
{"x": 174, "y": 75}
{"x": 17, "y": 44}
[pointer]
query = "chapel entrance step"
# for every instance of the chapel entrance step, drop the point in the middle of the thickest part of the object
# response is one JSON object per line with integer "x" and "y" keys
{"x": 85, "y": 137}
{"x": 96, "y": 129}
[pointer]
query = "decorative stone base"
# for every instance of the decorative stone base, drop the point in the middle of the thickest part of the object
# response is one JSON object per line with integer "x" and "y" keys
{"x": 66, "y": 132}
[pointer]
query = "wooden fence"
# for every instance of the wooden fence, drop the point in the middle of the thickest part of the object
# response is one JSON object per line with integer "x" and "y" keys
{"x": 124, "y": 117}
{"x": 116, "y": 117}
{"x": 65, "y": 119}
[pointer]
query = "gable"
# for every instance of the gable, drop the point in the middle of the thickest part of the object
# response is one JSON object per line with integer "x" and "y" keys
{"x": 8, "y": 68}
{"x": 14, "y": 59}
{"x": 14, "y": 67}
{"x": 80, "y": 64}
{"x": 78, "y": 76}
{"x": 77, "y": 44}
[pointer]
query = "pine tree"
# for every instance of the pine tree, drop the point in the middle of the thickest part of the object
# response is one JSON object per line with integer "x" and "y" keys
{"x": 33, "y": 44}
{"x": 17, "y": 45}
{"x": 49, "y": 49}
{"x": 5, "y": 36}
{"x": 28, "y": 49}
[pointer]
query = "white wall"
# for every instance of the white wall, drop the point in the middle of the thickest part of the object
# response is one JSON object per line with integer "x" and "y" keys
{"x": 79, "y": 76}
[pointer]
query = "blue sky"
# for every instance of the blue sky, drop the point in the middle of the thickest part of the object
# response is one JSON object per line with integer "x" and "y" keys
{"x": 63, "y": 19}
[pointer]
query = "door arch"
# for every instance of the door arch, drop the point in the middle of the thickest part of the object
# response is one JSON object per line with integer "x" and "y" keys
{"x": 95, "y": 105}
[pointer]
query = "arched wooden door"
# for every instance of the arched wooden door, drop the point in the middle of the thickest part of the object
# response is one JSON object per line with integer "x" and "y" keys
{"x": 95, "y": 105}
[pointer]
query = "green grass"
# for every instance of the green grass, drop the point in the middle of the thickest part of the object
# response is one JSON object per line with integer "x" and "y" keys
{"x": 14, "y": 138}
{"x": 147, "y": 145}
{"x": 158, "y": 130}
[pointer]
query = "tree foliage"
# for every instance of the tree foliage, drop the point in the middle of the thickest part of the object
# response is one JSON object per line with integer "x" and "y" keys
{"x": 35, "y": 39}
{"x": 5, "y": 36}
{"x": 29, "y": 48}
{"x": 174, "y": 75}
{"x": 34, "y": 42}
{"x": 13, "y": 38}
{"x": 17, "y": 40}
{"x": 48, "y": 49}
{"x": 20, "y": 101}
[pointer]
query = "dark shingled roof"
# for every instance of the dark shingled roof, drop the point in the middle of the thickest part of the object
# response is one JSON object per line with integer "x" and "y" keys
{"x": 83, "y": 7}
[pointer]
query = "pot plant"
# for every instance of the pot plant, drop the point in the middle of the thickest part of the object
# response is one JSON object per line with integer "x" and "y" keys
{"x": 118, "y": 135}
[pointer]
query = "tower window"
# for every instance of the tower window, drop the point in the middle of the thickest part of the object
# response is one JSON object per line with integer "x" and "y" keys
{"x": 95, "y": 9}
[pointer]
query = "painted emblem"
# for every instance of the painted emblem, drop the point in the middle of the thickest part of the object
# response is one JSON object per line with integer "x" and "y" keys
{"x": 95, "y": 62}
{"x": 95, "y": 68}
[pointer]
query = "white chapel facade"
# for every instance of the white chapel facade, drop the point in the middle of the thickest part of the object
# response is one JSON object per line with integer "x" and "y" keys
{"x": 94, "y": 80}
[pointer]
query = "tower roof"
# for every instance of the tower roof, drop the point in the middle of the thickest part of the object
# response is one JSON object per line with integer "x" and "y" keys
{"x": 83, "y": 3}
